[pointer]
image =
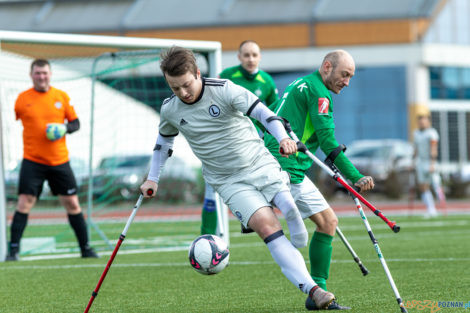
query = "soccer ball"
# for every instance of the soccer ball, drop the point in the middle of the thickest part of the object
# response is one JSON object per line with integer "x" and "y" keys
{"x": 208, "y": 254}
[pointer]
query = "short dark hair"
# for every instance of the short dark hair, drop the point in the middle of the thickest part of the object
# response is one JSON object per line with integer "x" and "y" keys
{"x": 40, "y": 63}
{"x": 244, "y": 42}
{"x": 177, "y": 61}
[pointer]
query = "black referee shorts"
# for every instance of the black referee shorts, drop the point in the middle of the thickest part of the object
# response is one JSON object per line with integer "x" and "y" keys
{"x": 60, "y": 178}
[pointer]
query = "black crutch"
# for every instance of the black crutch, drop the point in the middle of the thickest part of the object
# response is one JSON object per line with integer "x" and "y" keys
{"x": 353, "y": 253}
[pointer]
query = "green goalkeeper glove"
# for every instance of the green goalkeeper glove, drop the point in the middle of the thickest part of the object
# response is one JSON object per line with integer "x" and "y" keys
{"x": 55, "y": 131}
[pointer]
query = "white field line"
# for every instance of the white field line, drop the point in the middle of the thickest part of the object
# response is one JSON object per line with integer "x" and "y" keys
{"x": 181, "y": 242}
{"x": 186, "y": 264}
{"x": 197, "y": 217}
{"x": 184, "y": 245}
{"x": 187, "y": 239}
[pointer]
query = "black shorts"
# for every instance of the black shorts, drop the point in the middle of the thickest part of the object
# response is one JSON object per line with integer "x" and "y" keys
{"x": 60, "y": 178}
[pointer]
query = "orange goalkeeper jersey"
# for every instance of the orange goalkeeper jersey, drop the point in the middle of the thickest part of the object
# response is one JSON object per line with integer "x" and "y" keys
{"x": 37, "y": 109}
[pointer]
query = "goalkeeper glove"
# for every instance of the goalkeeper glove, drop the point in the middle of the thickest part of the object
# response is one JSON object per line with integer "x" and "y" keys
{"x": 55, "y": 131}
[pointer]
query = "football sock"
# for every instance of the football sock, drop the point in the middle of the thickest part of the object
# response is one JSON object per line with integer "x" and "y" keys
{"x": 17, "y": 227}
{"x": 79, "y": 227}
{"x": 429, "y": 201}
{"x": 320, "y": 257}
{"x": 290, "y": 261}
{"x": 298, "y": 233}
{"x": 209, "y": 212}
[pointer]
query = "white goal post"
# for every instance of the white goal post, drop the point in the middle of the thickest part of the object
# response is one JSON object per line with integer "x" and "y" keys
{"x": 212, "y": 49}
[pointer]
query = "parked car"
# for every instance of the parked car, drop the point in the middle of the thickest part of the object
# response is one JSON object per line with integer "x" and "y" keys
{"x": 388, "y": 161}
{"x": 121, "y": 177}
{"x": 459, "y": 182}
{"x": 11, "y": 182}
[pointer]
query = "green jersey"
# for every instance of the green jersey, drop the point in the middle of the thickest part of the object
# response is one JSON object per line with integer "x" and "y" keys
{"x": 260, "y": 83}
{"x": 308, "y": 107}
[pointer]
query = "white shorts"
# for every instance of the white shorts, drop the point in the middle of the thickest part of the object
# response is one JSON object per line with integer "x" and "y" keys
{"x": 248, "y": 191}
{"x": 308, "y": 198}
{"x": 423, "y": 175}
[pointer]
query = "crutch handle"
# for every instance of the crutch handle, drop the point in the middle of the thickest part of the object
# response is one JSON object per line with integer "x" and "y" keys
{"x": 336, "y": 176}
{"x": 300, "y": 147}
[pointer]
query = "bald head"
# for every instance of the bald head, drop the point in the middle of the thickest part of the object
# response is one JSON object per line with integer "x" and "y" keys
{"x": 338, "y": 56}
{"x": 337, "y": 69}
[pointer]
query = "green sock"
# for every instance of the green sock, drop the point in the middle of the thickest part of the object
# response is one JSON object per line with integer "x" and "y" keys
{"x": 320, "y": 258}
{"x": 209, "y": 218}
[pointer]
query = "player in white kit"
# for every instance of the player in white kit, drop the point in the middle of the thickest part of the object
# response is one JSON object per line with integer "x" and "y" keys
{"x": 425, "y": 140}
{"x": 210, "y": 113}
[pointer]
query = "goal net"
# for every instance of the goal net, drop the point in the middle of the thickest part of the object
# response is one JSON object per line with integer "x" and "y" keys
{"x": 116, "y": 88}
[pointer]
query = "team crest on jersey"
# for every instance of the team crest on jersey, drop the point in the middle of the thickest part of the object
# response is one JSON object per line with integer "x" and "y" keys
{"x": 214, "y": 110}
{"x": 258, "y": 92}
{"x": 323, "y": 105}
{"x": 58, "y": 105}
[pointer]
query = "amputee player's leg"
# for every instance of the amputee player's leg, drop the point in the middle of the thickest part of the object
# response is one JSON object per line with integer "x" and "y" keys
{"x": 313, "y": 205}
{"x": 298, "y": 232}
{"x": 209, "y": 212}
{"x": 289, "y": 259}
{"x": 253, "y": 210}
{"x": 424, "y": 177}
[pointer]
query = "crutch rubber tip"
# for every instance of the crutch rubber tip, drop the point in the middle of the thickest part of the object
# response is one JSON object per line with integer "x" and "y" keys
{"x": 396, "y": 228}
{"x": 364, "y": 270}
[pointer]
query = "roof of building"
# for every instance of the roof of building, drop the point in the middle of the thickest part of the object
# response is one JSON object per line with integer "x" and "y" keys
{"x": 121, "y": 15}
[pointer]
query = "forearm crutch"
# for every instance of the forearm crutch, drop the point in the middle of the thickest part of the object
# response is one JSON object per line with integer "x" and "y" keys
{"x": 116, "y": 248}
{"x": 353, "y": 253}
{"x": 302, "y": 148}
{"x": 355, "y": 195}
{"x": 376, "y": 246}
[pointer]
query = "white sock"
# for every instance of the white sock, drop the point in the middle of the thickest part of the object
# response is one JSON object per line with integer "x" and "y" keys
{"x": 298, "y": 232}
{"x": 290, "y": 261}
{"x": 429, "y": 201}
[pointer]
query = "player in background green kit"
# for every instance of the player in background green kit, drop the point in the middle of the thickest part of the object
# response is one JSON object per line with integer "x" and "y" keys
{"x": 308, "y": 107}
{"x": 248, "y": 75}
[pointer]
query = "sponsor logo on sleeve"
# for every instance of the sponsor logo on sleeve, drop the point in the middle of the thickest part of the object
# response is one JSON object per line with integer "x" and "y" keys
{"x": 323, "y": 106}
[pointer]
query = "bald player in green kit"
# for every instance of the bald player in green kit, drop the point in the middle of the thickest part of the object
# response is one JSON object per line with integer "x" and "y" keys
{"x": 308, "y": 107}
{"x": 248, "y": 75}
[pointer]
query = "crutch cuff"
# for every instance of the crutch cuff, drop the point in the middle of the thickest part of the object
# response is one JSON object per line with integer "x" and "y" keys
{"x": 330, "y": 159}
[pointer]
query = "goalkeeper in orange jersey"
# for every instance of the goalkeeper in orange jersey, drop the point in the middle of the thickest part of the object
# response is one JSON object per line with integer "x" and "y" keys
{"x": 43, "y": 110}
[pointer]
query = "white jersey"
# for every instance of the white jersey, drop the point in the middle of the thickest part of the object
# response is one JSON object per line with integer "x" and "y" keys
{"x": 422, "y": 141}
{"x": 216, "y": 128}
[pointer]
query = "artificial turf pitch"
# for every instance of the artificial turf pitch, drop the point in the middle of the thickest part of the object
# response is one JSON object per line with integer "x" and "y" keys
{"x": 429, "y": 260}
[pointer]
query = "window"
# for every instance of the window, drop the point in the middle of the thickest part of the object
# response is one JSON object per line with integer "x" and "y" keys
{"x": 451, "y": 135}
{"x": 453, "y": 130}
{"x": 450, "y": 82}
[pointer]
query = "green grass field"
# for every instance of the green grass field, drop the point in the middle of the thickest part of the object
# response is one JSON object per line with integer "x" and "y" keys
{"x": 429, "y": 260}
